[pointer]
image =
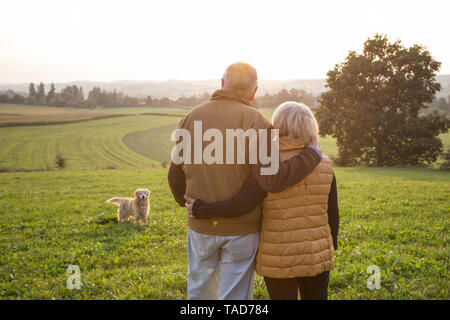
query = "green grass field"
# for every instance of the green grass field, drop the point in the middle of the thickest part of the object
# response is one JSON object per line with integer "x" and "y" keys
{"x": 105, "y": 142}
{"x": 29, "y": 114}
{"x": 32, "y": 115}
{"x": 96, "y": 144}
{"x": 396, "y": 219}
{"x": 155, "y": 143}
{"x": 138, "y": 110}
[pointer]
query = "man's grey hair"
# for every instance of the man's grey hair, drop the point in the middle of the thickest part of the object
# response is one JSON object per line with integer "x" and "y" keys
{"x": 240, "y": 76}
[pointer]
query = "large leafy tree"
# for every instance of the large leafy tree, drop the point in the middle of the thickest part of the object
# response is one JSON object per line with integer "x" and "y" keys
{"x": 373, "y": 102}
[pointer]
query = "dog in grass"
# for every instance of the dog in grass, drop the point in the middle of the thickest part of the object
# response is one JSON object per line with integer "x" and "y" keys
{"x": 133, "y": 207}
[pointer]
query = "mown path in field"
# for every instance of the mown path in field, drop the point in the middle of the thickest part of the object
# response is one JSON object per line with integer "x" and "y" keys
{"x": 87, "y": 145}
{"x": 135, "y": 141}
{"x": 152, "y": 143}
{"x": 155, "y": 143}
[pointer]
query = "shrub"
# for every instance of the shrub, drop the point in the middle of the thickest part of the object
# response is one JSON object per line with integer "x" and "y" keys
{"x": 60, "y": 161}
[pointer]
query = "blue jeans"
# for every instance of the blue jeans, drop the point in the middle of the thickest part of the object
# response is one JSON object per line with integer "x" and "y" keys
{"x": 221, "y": 266}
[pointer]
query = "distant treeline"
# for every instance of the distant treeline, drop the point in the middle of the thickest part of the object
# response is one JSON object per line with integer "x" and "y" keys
{"x": 181, "y": 102}
{"x": 73, "y": 96}
{"x": 440, "y": 105}
{"x": 70, "y": 96}
{"x": 272, "y": 101}
{"x": 266, "y": 101}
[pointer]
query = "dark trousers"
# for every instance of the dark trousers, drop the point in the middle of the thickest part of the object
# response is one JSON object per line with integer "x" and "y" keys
{"x": 310, "y": 288}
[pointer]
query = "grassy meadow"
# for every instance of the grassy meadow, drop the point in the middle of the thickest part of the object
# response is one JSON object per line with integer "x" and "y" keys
{"x": 96, "y": 144}
{"x": 140, "y": 110}
{"x": 396, "y": 219}
{"x": 17, "y": 114}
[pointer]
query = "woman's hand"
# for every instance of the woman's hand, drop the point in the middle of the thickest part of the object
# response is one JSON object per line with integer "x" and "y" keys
{"x": 189, "y": 204}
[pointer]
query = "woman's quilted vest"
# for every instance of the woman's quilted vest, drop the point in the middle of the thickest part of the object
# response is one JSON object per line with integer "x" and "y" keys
{"x": 295, "y": 238}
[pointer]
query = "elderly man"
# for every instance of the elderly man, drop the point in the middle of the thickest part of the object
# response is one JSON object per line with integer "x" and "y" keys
{"x": 221, "y": 251}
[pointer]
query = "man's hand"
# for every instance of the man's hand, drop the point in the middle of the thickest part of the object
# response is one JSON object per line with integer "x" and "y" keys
{"x": 189, "y": 204}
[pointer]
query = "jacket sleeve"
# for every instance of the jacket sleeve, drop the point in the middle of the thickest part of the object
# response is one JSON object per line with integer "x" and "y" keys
{"x": 333, "y": 212}
{"x": 248, "y": 198}
{"x": 177, "y": 182}
{"x": 290, "y": 171}
{"x": 176, "y": 176}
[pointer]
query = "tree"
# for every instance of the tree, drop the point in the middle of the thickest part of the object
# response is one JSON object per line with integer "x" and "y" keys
{"x": 148, "y": 101}
{"x": 98, "y": 97}
{"x": 18, "y": 99}
{"x": 51, "y": 94}
{"x": 72, "y": 96}
{"x": 31, "y": 94}
{"x": 442, "y": 104}
{"x": 40, "y": 94}
{"x": 298, "y": 95}
{"x": 94, "y": 96}
{"x": 373, "y": 102}
{"x": 165, "y": 102}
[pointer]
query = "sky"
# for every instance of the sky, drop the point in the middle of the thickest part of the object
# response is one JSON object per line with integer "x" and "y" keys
{"x": 66, "y": 40}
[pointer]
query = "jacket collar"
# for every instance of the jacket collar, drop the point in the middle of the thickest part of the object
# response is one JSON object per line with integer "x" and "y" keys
{"x": 290, "y": 144}
{"x": 224, "y": 94}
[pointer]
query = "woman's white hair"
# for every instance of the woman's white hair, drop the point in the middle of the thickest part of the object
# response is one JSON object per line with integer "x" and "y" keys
{"x": 241, "y": 76}
{"x": 296, "y": 121}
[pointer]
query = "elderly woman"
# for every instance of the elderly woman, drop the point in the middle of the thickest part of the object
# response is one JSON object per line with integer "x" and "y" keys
{"x": 299, "y": 225}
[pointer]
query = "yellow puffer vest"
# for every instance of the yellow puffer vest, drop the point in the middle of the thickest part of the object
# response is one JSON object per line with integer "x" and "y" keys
{"x": 295, "y": 238}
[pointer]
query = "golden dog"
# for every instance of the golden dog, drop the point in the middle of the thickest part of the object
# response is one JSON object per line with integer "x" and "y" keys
{"x": 137, "y": 207}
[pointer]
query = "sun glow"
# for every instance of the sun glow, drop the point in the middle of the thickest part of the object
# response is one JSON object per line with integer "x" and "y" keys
{"x": 192, "y": 40}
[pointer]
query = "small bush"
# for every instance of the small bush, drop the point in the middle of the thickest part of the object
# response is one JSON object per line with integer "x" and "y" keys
{"x": 60, "y": 161}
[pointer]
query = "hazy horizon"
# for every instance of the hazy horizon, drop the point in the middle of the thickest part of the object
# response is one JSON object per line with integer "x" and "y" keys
{"x": 165, "y": 80}
{"x": 105, "y": 41}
